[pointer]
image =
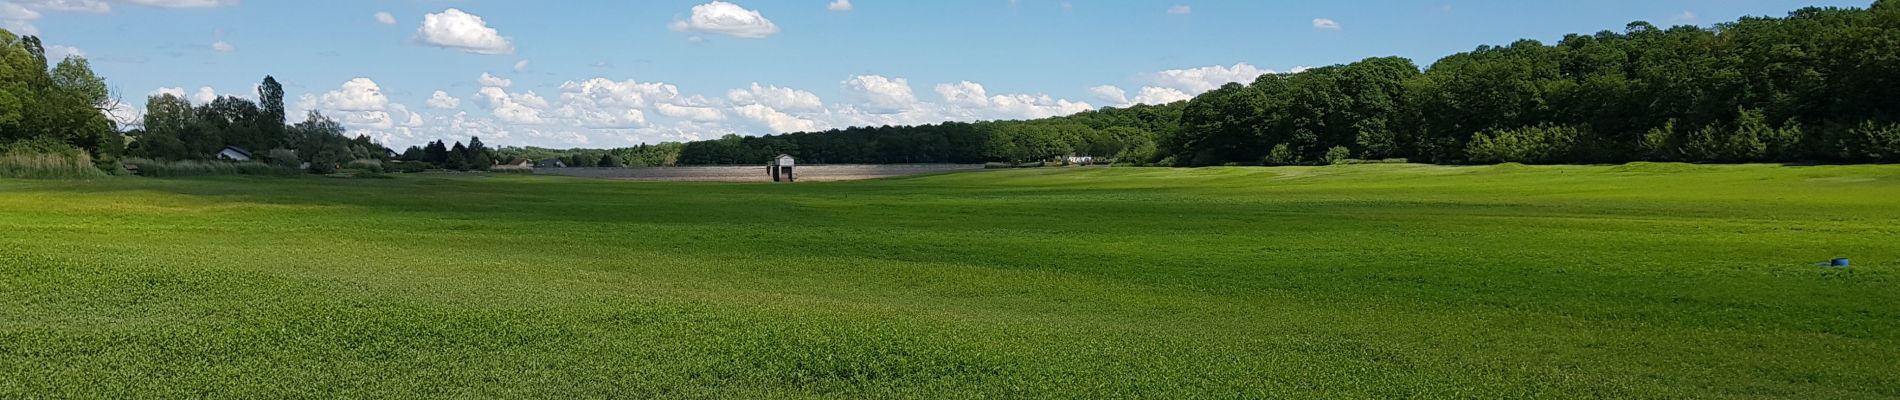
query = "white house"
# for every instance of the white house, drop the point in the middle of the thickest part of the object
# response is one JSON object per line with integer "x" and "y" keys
{"x": 234, "y": 153}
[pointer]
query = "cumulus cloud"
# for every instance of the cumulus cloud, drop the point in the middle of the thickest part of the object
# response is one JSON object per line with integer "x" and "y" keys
{"x": 183, "y": 3}
{"x": 777, "y": 98}
{"x": 1109, "y": 94}
{"x": 385, "y": 18}
{"x": 839, "y": 5}
{"x": 1325, "y": 24}
{"x": 701, "y": 114}
{"x": 18, "y": 19}
{"x": 1180, "y": 9}
{"x": 174, "y": 91}
{"x": 85, "y": 6}
{"x": 1159, "y": 95}
{"x": 459, "y": 30}
{"x": 360, "y": 94}
{"x": 204, "y": 95}
{"x": 727, "y": 19}
{"x": 223, "y": 47}
{"x": 882, "y": 95}
{"x": 965, "y": 94}
{"x": 487, "y": 80}
{"x": 777, "y": 121}
{"x": 58, "y": 52}
{"x": 1194, "y": 81}
{"x": 524, "y": 108}
{"x": 442, "y": 100}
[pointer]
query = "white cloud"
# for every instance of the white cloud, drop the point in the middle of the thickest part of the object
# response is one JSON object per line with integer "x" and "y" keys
{"x": 1299, "y": 69}
{"x": 487, "y": 80}
{"x": 204, "y": 95}
{"x": 1159, "y": 95}
{"x": 513, "y": 108}
{"x": 1325, "y": 24}
{"x": 1685, "y": 16}
{"x": 881, "y": 95}
{"x": 1180, "y": 9}
{"x": 1110, "y": 94}
{"x": 1023, "y": 106}
{"x": 18, "y": 19}
{"x": 701, "y": 114}
{"x": 360, "y": 94}
{"x": 727, "y": 18}
{"x": 965, "y": 94}
{"x": 174, "y": 91}
{"x": 522, "y": 65}
{"x": 442, "y": 100}
{"x": 777, "y": 121}
{"x": 455, "y": 29}
{"x": 1194, "y": 81}
{"x": 608, "y": 93}
{"x": 839, "y": 5}
{"x": 385, "y": 18}
{"x": 55, "y": 53}
{"x": 777, "y": 98}
{"x": 223, "y": 47}
{"x": 85, "y": 6}
{"x": 183, "y": 3}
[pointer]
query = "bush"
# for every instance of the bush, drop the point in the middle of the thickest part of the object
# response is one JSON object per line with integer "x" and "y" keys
{"x": 40, "y": 159}
{"x": 167, "y": 169}
{"x": 1281, "y": 155}
{"x": 375, "y": 166}
{"x": 407, "y": 167}
{"x": 1541, "y": 144}
{"x": 1871, "y": 141}
{"x": 283, "y": 158}
{"x": 1337, "y": 155}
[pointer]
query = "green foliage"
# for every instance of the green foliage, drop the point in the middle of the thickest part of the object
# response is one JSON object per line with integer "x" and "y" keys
{"x": 609, "y": 161}
{"x": 44, "y": 158}
{"x": 1872, "y": 142}
{"x": 172, "y": 169}
{"x": 369, "y": 165}
{"x": 1337, "y": 155}
{"x": 283, "y": 158}
{"x": 1281, "y": 155}
{"x": 1531, "y": 145}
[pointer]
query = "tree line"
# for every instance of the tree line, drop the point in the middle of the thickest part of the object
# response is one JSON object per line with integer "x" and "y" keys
{"x": 1814, "y": 86}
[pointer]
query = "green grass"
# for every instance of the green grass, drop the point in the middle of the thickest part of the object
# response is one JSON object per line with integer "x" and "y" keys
{"x": 1368, "y": 281}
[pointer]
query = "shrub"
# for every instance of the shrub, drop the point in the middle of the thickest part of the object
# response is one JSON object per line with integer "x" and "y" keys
{"x": 406, "y": 167}
{"x": 167, "y": 169}
{"x": 375, "y": 166}
{"x": 1281, "y": 155}
{"x": 1337, "y": 155}
{"x": 1871, "y": 141}
{"x": 45, "y": 159}
{"x": 1536, "y": 144}
{"x": 283, "y": 158}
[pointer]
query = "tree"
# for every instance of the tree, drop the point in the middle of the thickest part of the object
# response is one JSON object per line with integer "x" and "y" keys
{"x": 271, "y": 107}
{"x": 608, "y": 161}
{"x": 457, "y": 158}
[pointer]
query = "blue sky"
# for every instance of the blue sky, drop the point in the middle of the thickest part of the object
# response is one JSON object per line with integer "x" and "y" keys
{"x": 613, "y": 73}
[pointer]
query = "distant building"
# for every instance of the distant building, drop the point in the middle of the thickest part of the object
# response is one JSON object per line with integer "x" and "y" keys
{"x": 550, "y": 163}
{"x": 234, "y": 153}
{"x": 519, "y": 163}
{"x": 1080, "y": 160}
{"x": 392, "y": 154}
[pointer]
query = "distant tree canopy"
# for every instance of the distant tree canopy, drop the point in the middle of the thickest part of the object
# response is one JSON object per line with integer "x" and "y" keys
{"x": 1817, "y": 85}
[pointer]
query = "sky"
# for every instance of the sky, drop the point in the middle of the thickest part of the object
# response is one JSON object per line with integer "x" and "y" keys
{"x": 597, "y": 73}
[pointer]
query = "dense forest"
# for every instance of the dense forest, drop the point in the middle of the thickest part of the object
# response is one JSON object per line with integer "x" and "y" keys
{"x": 1816, "y": 86}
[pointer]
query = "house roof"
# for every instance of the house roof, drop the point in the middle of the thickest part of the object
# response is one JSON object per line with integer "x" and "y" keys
{"x": 239, "y": 150}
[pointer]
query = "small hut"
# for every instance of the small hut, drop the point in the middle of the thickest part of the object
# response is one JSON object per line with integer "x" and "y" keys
{"x": 781, "y": 166}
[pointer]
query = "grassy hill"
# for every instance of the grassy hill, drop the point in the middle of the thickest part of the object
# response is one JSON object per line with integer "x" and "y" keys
{"x": 1643, "y": 280}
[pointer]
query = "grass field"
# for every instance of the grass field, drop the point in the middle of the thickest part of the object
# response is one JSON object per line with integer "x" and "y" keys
{"x": 1374, "y": 281}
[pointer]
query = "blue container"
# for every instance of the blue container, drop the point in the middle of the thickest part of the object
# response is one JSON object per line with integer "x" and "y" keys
{"x": 1839, "y": 262}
